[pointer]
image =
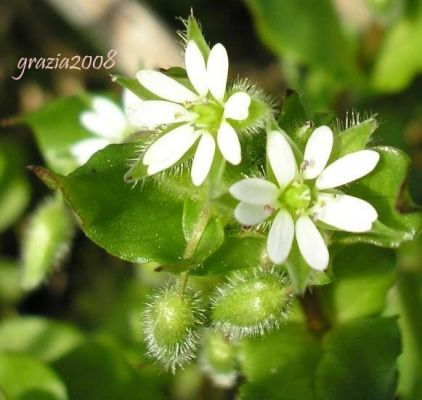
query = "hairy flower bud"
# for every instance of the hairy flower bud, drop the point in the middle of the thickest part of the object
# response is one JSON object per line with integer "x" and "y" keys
{"x": 46, "y": 241}
{"x": 171, "y": 322}
{"x": 219, "y": 359}
{"x": 251, "y": 303}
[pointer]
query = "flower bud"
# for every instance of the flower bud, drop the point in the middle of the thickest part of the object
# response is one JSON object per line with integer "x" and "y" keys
{"x": 251, "y": 303}
{"x": 171, "y": 322}
{"x": 219, "y": 359}
{"x": 46, "y": 241}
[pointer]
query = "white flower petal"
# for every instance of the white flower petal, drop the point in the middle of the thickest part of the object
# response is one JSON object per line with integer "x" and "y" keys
{"x": 347, "y": 213}
{"x": 112, "y": 115}
{"x": 84, "y": 149}
{"x": 130, "y": 103}
{"x": 203, "y": 159}
{"x": 311, "y": 244}
{"x": 164, "y": 86}
{"x": 97, "y": 125}
{"x": 229, "y": 144}
{"x": 162, "y": 165}
{"x": 237, "y": 106}
{"x": 255, "y": 191}
{"x": 171, "y": 146}
{"x": 317, "y": 151}
{"x": 217, "y": 71}
{"x": 280, "y": 237}
{"x": 250, "y": 214}
{"x": 281, "y": 157}
{"x": 195, "y": 68}
{"x": 130, "y": 99}
{"x": 347, "y": 169}
{"x": 152, "y": 113}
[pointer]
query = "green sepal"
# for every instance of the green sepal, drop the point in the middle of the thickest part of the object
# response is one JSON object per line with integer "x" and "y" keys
{"x": 302, "y": 275}
{"x": 135, "y": 87}
{"x": 399, "y": 220}
{"x": 194, "y": 32}
{"x": 354, "y": 138}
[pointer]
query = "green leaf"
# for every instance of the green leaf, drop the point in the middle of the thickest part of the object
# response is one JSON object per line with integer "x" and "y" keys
{"x": 211, "y": 240}
{"x": 56, "y": 127}
{"x": 138, "y": 224}
{"x": 44, "y": 339}
{"x": 194, "y": 215}
{"x": 99, "y": 371}
{"x": 400, "y": 58}
{"x": 355, "y": 361}
{"x": 25, "y": 378}
{"x": 353, "y": 139}
{"x": 315, "y": 38}
{"x": 280, "y": 365}
{"x": 361, "y": 283}
{"x": 359, "y": 361}
{"x": 236, "y": 252}
{"x": 14, "y": 187}
{"x": 386, "y": 189}
{"x": 46, "y": 241}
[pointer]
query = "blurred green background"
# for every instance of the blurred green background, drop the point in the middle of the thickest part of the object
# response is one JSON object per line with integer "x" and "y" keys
{"x": 351, "y": 58}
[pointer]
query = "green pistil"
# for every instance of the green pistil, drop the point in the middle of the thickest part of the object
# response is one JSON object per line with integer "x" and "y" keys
{"x": 297, "y": 197}
{"x": 209, "y": 115}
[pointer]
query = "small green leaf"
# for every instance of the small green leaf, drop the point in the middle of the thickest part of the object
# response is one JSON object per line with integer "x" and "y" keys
{"x": 400, "y": 58}
{"x": 315, "y": 38}
{"x": 370, "y": 279}
{"x": 46, "y": 241}
{"x": 41, "y": 338}
{"x": 354, "y": 138}
{"x": 194, "y": 215}
{"x": 359, "y": 361}
{"x": 211, "y": 240}
{"x": 138, "y": 224}
{"x": 237, "y": 252}
{"x": 99, "y": 371}
{"x": 280, "y": 365}
{"x": 22, "y": 377}
{"x": 355, "y": 361}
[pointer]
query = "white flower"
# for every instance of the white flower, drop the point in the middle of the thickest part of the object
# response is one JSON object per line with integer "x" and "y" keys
{"x": 202, "y": 111}
{"x": 304, "y": 194}
{"x": 108, "y": 123}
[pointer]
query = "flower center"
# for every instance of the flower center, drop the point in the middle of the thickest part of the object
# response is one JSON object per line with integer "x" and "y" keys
{"x": 297, "y": 196}
{"x": 209, "y": 115}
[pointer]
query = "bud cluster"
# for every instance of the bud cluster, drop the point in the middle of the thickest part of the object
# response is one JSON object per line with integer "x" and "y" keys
{"x": 251, "y": 303}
